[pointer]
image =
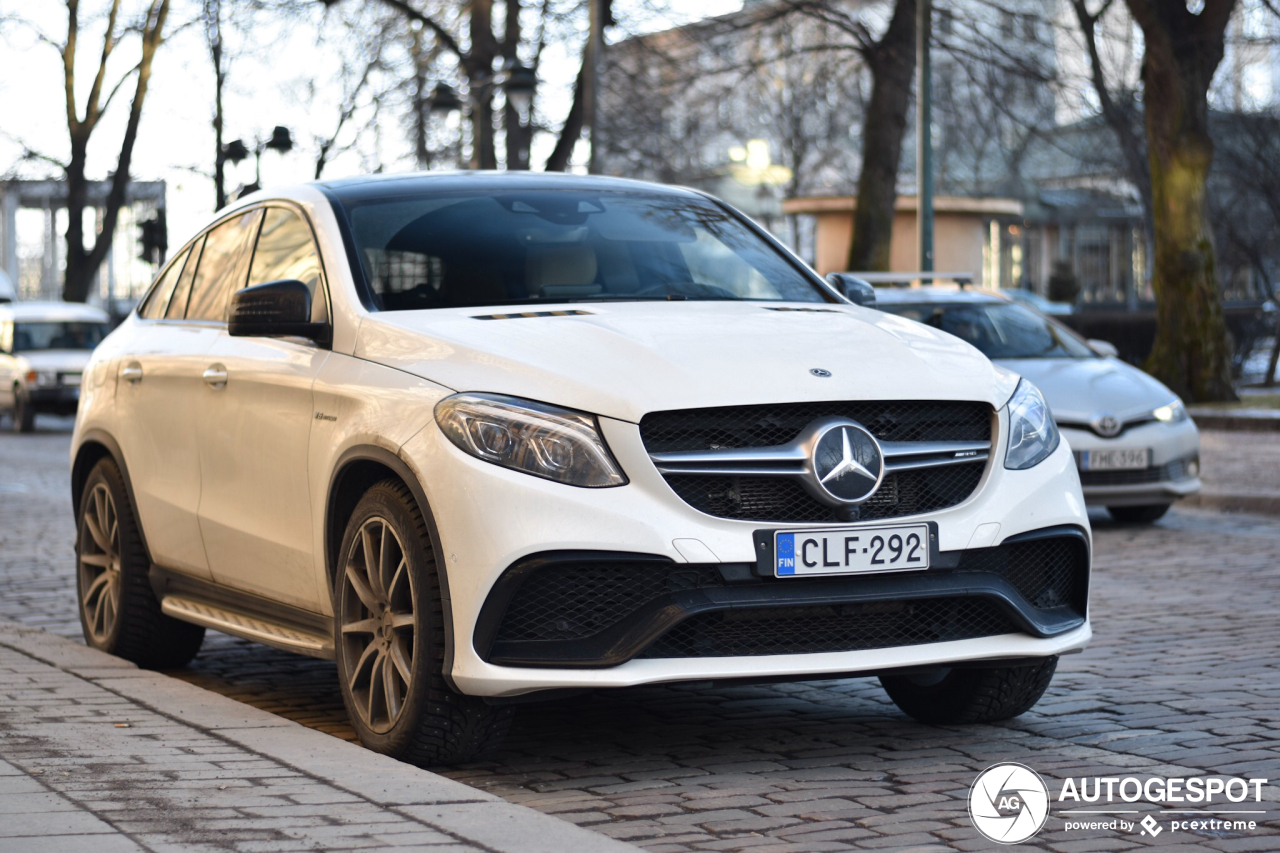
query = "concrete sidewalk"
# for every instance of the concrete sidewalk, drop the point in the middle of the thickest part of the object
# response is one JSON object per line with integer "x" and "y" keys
{"x": 97, "y": 755}
{"x": 1241, "y": 472}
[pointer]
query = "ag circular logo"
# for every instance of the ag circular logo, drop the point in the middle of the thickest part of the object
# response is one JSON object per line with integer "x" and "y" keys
{"x": 1008, "y": 803}
{"x": 847, "y": 463}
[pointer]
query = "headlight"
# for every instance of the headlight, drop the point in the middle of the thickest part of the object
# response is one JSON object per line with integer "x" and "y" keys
{"x": 538, "y": 439}
{"x": 1032, "y": 433}
{"x": 1171, "y": 413}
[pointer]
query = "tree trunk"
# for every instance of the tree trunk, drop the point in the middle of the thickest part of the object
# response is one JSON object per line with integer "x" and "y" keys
{"x": 891, "y": 61}
{"x": 571, "y": 132}
{"x": 219, "y": 83}
{"x": 484, "y": 49}
{"x": 1192, "y": 353}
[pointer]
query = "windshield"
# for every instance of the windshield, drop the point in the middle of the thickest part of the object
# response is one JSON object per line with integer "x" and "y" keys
{"x": 54, "y": 335}
{"x": 516, "y": 247}
{"x": 998, "y": 329}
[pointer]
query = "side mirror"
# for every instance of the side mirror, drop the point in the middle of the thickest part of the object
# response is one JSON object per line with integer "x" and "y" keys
{"x": 856, "y": 290}
{"x": 1104, "y": 348}
{"x": 277, "y": 309}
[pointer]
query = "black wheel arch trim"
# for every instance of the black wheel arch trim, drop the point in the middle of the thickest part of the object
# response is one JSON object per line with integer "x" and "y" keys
{"x": 402, "y": 469}
{"x": 81, "y": 467}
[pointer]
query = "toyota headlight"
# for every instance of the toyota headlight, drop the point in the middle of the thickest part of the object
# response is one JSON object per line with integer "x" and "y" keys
{"x": 1032, "y": 433}
{"x": 536, "y": 438}
{"x": 1171, "y": 413}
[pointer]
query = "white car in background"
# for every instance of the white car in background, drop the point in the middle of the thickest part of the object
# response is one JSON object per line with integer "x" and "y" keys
{"x": 485, "y": 435}
{"x": 1137, "y": 449}
{"x": 44, "y": 347}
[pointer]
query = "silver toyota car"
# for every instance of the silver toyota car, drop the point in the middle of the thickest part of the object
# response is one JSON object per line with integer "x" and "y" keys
{"x": 1136, "y": 448}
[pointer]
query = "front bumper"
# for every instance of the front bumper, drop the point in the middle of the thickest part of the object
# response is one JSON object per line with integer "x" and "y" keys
{"x": 1173, "y": 473}
{"x": 57, "y": 400}
{"x": 490, "y": 518}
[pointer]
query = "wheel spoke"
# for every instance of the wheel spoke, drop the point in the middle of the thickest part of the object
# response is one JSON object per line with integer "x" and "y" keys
{"x": 102, "y": 561}
{"x": 377, "y": 681}
{"x": 390, "y": 691}
{"x": 364, "y": 626}
{"x": 97, "y": 588}
{"x": 402, "y": 620}
{"x": 371, "y": 564}
{"x": 402, "y": 572}
{"x": 109, "y": 608}
{"x": 370, "y": 652}
{"x": 366, "y": 596}
{"x": 99, "y": 537}
{"x": 401, "y": 660}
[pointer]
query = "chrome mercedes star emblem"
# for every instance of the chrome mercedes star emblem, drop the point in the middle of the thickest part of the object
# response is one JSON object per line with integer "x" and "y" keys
{"x": 847, "y": 463}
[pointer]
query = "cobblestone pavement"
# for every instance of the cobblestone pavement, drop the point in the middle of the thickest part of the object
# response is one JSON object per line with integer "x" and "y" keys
{"x": 1183, "y": 679}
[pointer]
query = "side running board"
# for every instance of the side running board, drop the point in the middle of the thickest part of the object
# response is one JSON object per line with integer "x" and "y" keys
{"x": 241, "y": 614}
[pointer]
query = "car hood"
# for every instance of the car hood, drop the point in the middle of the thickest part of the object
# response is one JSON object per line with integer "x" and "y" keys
{"x": 625, "y": 359}
{"x": 1077, "y": 389}
{"x": 60, "y": 360}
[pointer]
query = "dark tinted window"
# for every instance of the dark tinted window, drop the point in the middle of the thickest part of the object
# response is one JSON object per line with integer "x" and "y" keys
{"x": 999, "y": 330}
{"x": 68, "y": 335}
{"x": 158, "y": 301}
{"x": 182, "y": 293}
{"x": 285, "y": 250}
{"x": 220, "y": 263}
{"x": 513, "y": 247}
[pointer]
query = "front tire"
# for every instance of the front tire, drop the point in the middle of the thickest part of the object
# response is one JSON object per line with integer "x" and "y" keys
{"x": 964, "y": 695}
{"x": 389, "y": 638}
{"x": 119, "y": 612}
{"x": 1138, "y": 514}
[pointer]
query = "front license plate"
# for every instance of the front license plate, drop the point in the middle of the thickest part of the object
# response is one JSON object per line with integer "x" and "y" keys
{"x": 852, "y": 551}
{"x": 1115, "y": 460}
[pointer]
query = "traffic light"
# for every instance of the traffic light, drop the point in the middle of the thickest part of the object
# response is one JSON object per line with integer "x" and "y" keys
{"x": 153, "y": 242}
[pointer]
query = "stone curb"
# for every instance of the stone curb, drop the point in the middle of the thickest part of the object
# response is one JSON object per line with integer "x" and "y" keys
{"x": 1240, "y": 420}
{"x": 1259, "y": 504}
{"x": 478, "y": 817}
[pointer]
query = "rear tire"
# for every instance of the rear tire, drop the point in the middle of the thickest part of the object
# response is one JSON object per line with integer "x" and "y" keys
{"x": 119, "y": 612}
{"x": 389, "y": 638}
{"x": 24, "y": 417}
{"x": 964, "y": 695}
{"x": 1138, "y": 514}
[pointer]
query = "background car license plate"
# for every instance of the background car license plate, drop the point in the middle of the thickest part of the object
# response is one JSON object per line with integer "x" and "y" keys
{"x": 1115, "y": 460}
{"x": 851, "y": 551}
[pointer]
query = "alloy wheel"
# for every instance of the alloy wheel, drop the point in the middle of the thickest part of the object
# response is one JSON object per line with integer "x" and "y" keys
{"x": 99, "y": 563}
{"x": 377, "y": 624}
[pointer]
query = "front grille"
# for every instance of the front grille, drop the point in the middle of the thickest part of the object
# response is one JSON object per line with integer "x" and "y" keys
{"x": 774, "y": 424}
{"x": 831, "y": 628}
{"x": 1175, "y": 470}
{"x": 596, "y": 603}
{"x": 569, "y": 601}
{"x": 779, "y": 499}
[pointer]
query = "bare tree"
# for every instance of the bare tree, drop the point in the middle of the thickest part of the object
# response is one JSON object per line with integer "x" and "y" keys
{"x": 1191, "y": 353}
{"x": 82, "y": 262}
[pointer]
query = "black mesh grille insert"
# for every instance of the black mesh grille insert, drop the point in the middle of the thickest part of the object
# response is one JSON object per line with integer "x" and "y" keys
{"x": 768, "y": 425}
{"x": 830, "y": 628}
{"x": 569, "y": 601}
{"x": 782, "y": 499}
{"x": 579, "y": 601}
{"x": 1047, "y": 572}
{"x": 1175, "y": 470}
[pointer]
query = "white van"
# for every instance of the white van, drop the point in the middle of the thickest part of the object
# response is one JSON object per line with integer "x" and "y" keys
{"x": 44, "y": 347}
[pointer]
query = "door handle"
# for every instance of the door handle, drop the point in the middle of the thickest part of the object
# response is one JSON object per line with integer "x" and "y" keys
{"x": 131, "y": 373}
{"x": 215, "y": 376}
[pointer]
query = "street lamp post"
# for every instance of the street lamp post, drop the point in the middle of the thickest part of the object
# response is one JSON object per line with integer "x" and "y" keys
{"x": 517, "y": 81}
{"x": 236, "y": 151}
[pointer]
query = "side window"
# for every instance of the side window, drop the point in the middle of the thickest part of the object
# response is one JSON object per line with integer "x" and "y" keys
{"x": 182, "y": 293}
{"x": 158, "y": 301}
{"x": 220, "y": 269}
{"x": 285, "y": 251}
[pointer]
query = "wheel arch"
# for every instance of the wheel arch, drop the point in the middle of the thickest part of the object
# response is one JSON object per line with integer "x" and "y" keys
{"x": 96, "y": 445}
{"x": 357, "y": 469}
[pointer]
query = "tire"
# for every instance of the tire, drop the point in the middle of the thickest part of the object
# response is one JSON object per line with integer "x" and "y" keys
{"x": 964, "y": 695}
{"x": 24, "y": 417}
{"x": 119, "y": 612}
{"x": 389, "y": 639}
{"x": 1138, "y": 514}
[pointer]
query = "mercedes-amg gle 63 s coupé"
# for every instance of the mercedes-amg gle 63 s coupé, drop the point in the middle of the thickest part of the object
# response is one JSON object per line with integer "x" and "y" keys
{"x": 481, "y": 436}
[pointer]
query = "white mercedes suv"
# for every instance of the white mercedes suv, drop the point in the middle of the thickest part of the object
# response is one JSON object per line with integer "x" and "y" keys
{"x": 481, "y": 436}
